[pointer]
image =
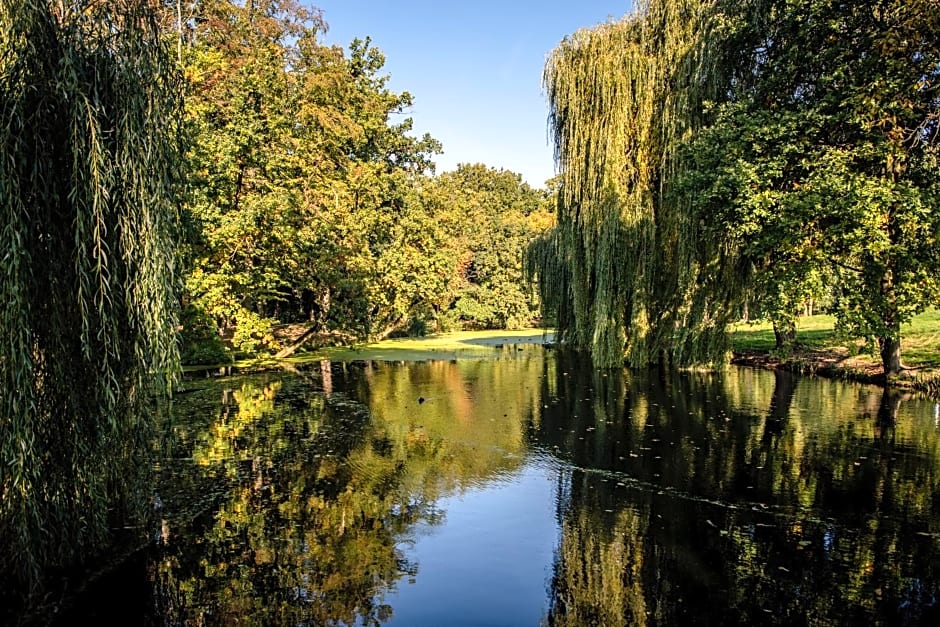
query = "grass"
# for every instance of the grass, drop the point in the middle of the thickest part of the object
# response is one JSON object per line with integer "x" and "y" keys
{"x": 821, "y": 350}
{"x": 439, "y": 346}
{"x": 812, "y": 332}
{"x": 462, "y": 344}
{"x": 920, "y": 343}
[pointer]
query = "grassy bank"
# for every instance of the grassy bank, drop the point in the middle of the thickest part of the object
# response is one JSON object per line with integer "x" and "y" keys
{"x": 440, "y": 346}
{"x": 819, "y": 349}
{"x": 462, "y": 344}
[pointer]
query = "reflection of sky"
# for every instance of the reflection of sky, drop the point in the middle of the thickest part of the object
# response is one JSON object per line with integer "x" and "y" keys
{"x": 491, "y": 563}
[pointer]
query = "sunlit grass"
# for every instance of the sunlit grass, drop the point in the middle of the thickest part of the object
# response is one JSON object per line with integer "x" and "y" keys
{"x": 463, "y": 344}
{"x": 920, "y": 342}
{"x": 439, "y": 346}
{"x": 812, "y": 332}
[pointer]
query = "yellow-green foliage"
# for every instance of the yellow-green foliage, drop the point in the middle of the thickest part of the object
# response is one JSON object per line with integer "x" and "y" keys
{"x": 342, "y": 485}
{"x": 623, "y": 97}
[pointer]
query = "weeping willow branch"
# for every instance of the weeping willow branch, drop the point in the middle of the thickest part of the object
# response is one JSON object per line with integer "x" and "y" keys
{"x": 89, "y": 154}
{"x": 635, "y": 265}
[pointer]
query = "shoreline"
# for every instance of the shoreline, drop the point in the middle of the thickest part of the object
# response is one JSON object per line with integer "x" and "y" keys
{"x": 834, "y": 364}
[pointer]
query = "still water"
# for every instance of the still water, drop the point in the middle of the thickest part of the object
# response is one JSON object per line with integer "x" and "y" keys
{"x": 526, "y": 488}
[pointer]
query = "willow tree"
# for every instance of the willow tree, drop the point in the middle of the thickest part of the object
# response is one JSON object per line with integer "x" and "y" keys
{"x": 626, "y": 268}
{"x": 88, "y": 154}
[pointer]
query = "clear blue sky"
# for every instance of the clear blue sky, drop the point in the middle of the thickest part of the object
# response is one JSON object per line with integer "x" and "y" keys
{"x": 473, "y": 67}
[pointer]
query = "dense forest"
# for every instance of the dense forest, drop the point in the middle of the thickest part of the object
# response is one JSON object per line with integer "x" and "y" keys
{"x": 206, "y": 179}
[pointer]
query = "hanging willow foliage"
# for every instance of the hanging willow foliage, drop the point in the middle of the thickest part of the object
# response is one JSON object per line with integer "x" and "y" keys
{"x": 627, "y": 249}
{"x": 89, "y": 154}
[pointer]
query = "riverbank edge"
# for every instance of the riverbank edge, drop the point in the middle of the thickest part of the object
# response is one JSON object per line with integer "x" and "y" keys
{"x": 834, "y": 365}
{"x": 831, "y": 362}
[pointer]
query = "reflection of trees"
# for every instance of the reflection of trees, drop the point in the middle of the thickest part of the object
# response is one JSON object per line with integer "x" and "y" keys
{"x": 683, "y": 498}
{"x": 298, "y": 536}
{"x": 467, "y": 427}
{"x": 598, "y": 575}
{"x": 689, "y": 501}
{"x": 304, "y": 499}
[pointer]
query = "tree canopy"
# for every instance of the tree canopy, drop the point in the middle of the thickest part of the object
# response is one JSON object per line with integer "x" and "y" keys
{"x": 628, "y": 266}
{"x": 491, "y": 216}
{"x": 823, "y": 163}
{"x": 312, "y": 204}
{"x": 215, "y": 167}
{"x": 297, "y": 169}
{"x": 716, "y": 152}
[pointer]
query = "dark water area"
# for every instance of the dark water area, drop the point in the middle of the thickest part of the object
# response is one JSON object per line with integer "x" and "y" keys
{"x": 527, "y": 488}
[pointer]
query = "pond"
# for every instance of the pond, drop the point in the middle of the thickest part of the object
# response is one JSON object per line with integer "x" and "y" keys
{"x": 526, "y": 488}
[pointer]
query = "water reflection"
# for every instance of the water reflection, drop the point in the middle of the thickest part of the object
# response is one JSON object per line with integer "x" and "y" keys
{"x": 749, "y": 498}
{"x": 351, "y": 494}
{"x": 317, "y": 493}
{"x": 296, "y": 534}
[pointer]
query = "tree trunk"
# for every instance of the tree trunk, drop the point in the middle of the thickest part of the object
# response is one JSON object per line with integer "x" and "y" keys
{"x": 239, "y": 181}
{"x": 287, "y": 351}
{"x": 890, "y": 342}
{"x": 888, "y": 412}
{"x": 388, "y": 331}
{"x": 179, "y": 28}
{"x": 780, "y": 404}
{"x": 784, "y": 334}
{"x": 890, "y": 354}
{"x": 326, "y": 374}
{"x": 325, "y": 303}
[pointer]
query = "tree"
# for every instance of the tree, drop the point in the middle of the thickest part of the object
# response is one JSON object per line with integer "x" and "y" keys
{"x": 89, "y": 111}
{"x": 245, "y": 166}
{"x": 825, "y": 159}
{"x": 738, "y": 175}
{"x": 491, "y": 216}
{"x": 730, "y": 148}
{"x": 304, "y": 186}
{"x": 627, "y": 268}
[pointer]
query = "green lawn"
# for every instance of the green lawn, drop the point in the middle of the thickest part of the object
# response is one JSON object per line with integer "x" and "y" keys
{"x": 462, "y": 344}
{"x": 440, "y": 346}
{"x": 920, "y": 344}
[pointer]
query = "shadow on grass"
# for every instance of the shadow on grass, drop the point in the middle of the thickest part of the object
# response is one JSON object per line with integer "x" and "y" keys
{"x": 763, "y": 340}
